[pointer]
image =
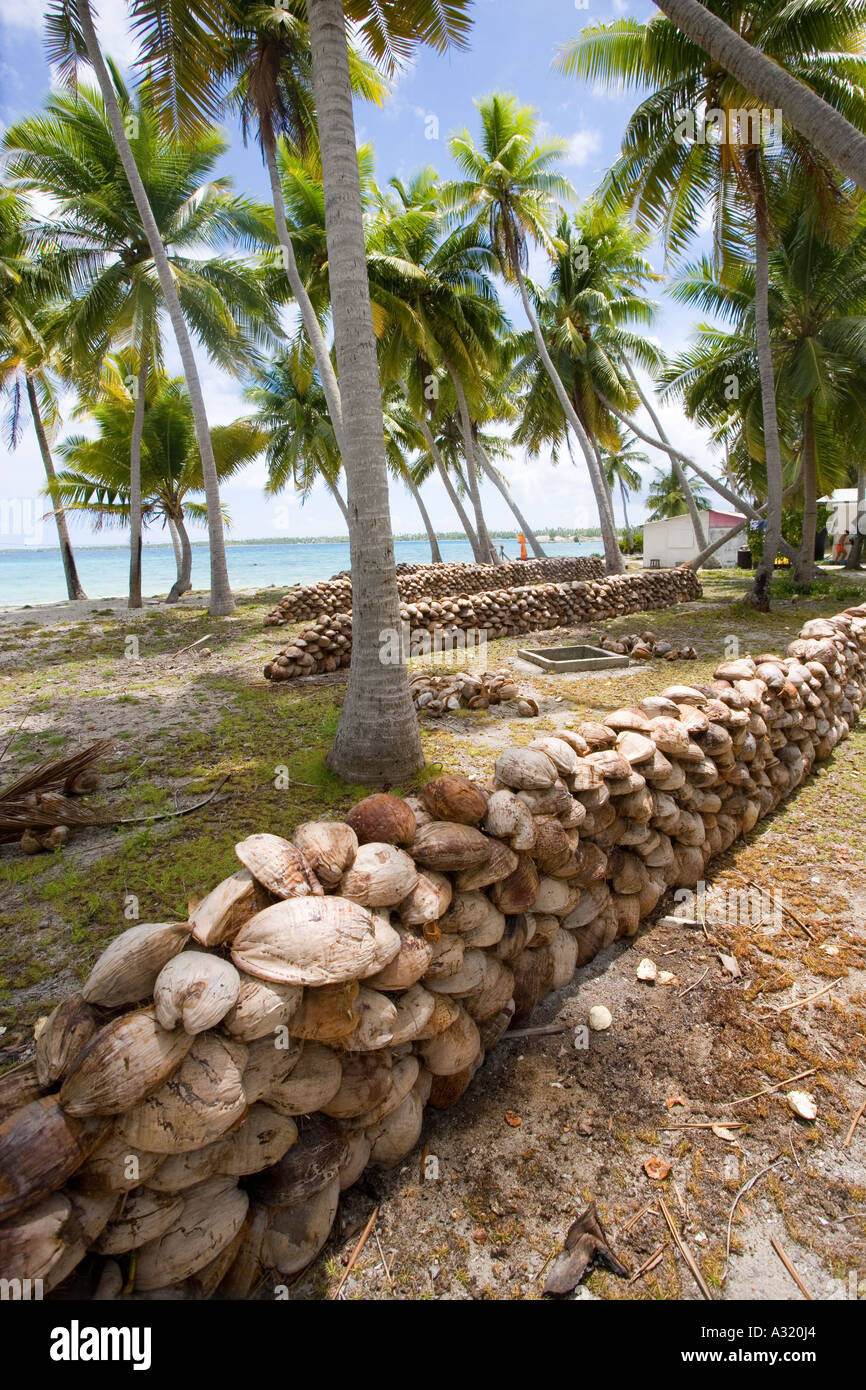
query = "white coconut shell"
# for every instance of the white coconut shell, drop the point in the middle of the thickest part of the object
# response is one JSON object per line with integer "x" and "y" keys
{"x": 146, "y": 1215}
{"x": 465, "y": 980}
{"x": 414, "y": 1009}
{"x": 356, "y": 1160}
{"x": 278, "y": 866}
{"x": 381, "y": 876}
{"x": 445, "y": 1011}
{"x": 494, "y": 993}
{"x": 449, "y": 846}
{"x": 312, "y": 1082}
{"x": 224, "y": 910}
{"x": 427, "y": 901}
{"x": 124, "y": 1062}
{"x": 526, "y": 768}
{"x": 377, "y": 1017}
{"x": 127, "y": 969}
{"x": 178, "y": 1172}
{"x": 454, "y": 1049}
{"x": 397, "y": 1134}
{"x": 469, "y": 911}
{"x": 269, "y": 1060}
{"x": 115, "y": 1165}
{"x": 404, "y": 1075}
{"x": 197, "y": 1105}
{"x": 448, "y": 953}
{"x": 410, "y": 963}
{"x": 365, "y": 1082}
{"x": 196, "y": 990}
{"x": 261, "y": 1140}
{"x": 564, "y": 949}
{"x": 309, "y": 941}
{"x": 329, "y": 847}
{"x": 211, "y": 1217}
{"x": 261, "y": 1006}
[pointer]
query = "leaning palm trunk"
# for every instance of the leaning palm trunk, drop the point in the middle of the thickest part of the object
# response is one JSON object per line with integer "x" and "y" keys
{"x": 700, "y": 538}
{"x": 316, "y": 337}
{"x": 221, "y": 602}
{"x": 135, "y": 480}
{"x": 74, "y": 587}
{"x": 804, "y": 565}
{"x": 614, "y": 563}
{"x": 854, "y": 558}
{"x": 759, "y": 594}
{"x": 183, "y": 582}
{"x": 435, "y": 553}
{"x": 338, "y": 497}
{"x": 830, "y": 132}
{"x": 453, "y": 494}
{"x": 499, "y": 482}
{"x": 489, "y": 554}
{"x": 628, "y": 535}
{"x": 377, "y": 739}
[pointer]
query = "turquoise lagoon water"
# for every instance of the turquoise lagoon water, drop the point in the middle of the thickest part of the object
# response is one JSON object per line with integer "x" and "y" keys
{"x": 29, "y": 576}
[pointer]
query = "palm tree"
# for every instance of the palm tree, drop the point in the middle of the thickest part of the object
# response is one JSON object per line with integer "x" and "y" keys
{"x": 72, "y": 36}
{"x": 509, "y": 187}
{"x": 68, "y": 153}
{"x": 96, "y": 479}
{"x": 817, "y": 120}
{"x": 620, "y": 469}
{"x": 666, "y": 499}
{"x": 377, "y": 737}
{"x": 818, "y": 329}
{"x": 26, "y": 291}
{"x": 668, "y": 177}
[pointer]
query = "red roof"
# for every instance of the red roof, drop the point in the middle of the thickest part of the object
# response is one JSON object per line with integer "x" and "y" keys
{"x": 725, "y": 518}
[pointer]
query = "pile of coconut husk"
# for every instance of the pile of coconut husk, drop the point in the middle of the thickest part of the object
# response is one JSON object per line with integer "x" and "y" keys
{"x": 645, "y": 645}
{"x": 194, "y": 1112}
{"x": 40, "y": 807}
{"x": 464, "y": 690}
{"x": 434, "y": 581}
{"x": 441, "y": 624}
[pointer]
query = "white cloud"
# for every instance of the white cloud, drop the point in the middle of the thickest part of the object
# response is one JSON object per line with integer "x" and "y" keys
{"x": 582, "y": 145}
{"x": 621, "y": 6}
{"x": 111, "y": 26}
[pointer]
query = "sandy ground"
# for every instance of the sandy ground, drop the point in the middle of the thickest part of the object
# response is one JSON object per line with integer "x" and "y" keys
{"x": 677, "y": 1055}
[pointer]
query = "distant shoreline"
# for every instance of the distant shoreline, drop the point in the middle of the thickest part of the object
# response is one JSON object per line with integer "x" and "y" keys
{"x": 558, "y": 535}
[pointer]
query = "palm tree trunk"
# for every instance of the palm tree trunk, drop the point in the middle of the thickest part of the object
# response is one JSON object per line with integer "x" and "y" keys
{"x": 804, "y": 568}
{"x": 808, "y": 113}
{"x": 377, "y": 739}
{"x": 183, "y": 581}
{"x": 500, "y": 483}
{"x": 74, "y": 588}
{"x": 135, "y": 479}
{"x": 175, "y": 545}
{"x": 759, "y": 594}
{"x": 324, "y": 366}
{"x": 697, "y": 526}
{"x": 450, "y": 488}
{"x": 853, "y": 561}
{"x": 628, "y": 535}
{"x": 716, "y": 484}
{"x": 489, "y": 555}
{"x": 614, "y": 563}
{"x": 435, "y": 553}
{"x": 338, "y": 497}
{"x": 221, "y": 602}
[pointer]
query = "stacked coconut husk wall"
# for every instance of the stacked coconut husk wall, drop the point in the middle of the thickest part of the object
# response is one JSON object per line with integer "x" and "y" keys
{"x": 216, "y": 1083}
{"x": 327, "y": 644}
{"x": 434, "y": 581}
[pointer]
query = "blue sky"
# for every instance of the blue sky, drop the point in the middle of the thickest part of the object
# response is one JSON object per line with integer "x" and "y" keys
{"x": 512, "y": 46}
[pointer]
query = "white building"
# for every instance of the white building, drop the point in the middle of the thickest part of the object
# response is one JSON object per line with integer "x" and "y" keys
{"x": 672, "y": 542}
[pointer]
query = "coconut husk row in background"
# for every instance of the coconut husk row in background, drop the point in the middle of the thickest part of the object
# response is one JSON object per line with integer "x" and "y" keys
{"x": 467, "y": 690}
{"x": 434, "y": 581}
{"x": 437, "y": 623}
{"x": 201, "y": 1103}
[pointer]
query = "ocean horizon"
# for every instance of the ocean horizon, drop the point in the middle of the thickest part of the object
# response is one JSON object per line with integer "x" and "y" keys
{"x": 35, "y": 575}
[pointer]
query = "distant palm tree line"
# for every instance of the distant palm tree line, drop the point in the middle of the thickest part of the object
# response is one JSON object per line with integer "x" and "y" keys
{"x": 413, "y": 369}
